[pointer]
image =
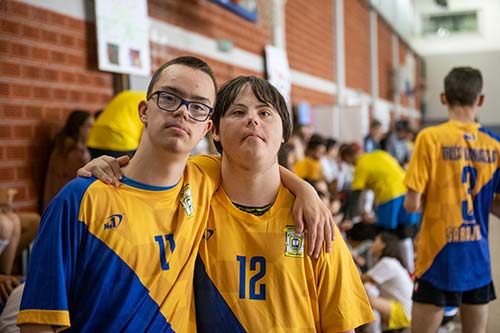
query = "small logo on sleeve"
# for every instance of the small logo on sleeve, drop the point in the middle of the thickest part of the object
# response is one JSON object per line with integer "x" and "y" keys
{"x": 113, "y": 221}
{"x": 187, "y": 201}
{"x": 294, "y": 243}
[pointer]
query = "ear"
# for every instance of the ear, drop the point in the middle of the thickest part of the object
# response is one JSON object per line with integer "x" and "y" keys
{"x": 215, "y": 135}
{"x": 480, "y": 100}
{"x": 442, "y": 97}
{"x": 210, "y": 125}
{"x": 143, "y": 115}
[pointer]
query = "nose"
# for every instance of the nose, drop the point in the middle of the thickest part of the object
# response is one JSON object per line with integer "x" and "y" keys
{"x": 252, "y": 118}
{"x": 182, "y": 110}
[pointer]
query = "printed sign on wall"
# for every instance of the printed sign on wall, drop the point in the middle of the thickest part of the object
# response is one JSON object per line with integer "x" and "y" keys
{"x": 123, "y": 36}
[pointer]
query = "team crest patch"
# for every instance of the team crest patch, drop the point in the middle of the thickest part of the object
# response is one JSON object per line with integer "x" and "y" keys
{"x": 294, "y": 243}
{"x": 187, "y": 201}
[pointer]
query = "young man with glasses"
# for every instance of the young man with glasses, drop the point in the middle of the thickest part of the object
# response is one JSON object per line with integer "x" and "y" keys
{"x": 122, "y": 259}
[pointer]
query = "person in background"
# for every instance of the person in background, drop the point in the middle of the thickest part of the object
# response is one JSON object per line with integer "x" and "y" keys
{"x": 310, "y": 166}
{"x": 454, "y": 176}
{"x": 371, "y": 142}
{"x": 69, "y": 153}
{"x": 117, "y": 130}
{"x": 329, "y": 163}
{"x": 287, "y": 155}
{"x": 388, "y": 283}
{"x": 396, "y": 143}
{"x": 381, "y": 173}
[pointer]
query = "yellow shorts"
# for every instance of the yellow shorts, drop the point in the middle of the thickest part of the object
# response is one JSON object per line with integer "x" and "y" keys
{"x": 397, "y": 317}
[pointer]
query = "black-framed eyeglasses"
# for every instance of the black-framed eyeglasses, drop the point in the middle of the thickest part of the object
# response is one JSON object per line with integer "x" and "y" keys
{"x": 167, "y": 101}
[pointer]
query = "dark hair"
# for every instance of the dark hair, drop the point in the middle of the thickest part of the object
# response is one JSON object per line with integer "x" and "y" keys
{"x": 263, "y": 91}
{"x": 285, "y": 150}
{"x": 346, "y": 150}
{"x": 375, "y": 124}
{"x": 315, "y": 141}
{"x": 71, "y": 129}
{"x": 402, "y": 125}
{"x": 330, "y": 143}
{"x": 391, "y": 248}
{"x": 187, "y": 61}
{"x": 462, "y": 86}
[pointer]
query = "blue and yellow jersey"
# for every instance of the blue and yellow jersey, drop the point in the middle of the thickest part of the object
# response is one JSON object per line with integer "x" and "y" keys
{"x": 381, "y": 173}
{"x": 118, "y": 127}
{"x": 308, "y": 168}
{"x": 253, "y": 275}
{"x": 456, "y": 168}
{"x": 120, "y": 259}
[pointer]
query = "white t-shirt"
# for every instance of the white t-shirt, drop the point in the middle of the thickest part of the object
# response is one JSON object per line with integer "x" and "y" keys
{"x": 393, "y": 281}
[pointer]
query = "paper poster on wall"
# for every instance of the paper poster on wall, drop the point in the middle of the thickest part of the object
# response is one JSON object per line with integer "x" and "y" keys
{"x": 278, "y": 71}
{"x": 123, "y": 36}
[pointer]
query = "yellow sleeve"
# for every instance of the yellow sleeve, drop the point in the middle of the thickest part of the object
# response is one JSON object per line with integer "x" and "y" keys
{"x": 419, "y": 168}
{"x": 341, "y": 296}
{"x": 360, "y": 175}
{"x": 210, "y": 168}
{"x": 300, "y": 169}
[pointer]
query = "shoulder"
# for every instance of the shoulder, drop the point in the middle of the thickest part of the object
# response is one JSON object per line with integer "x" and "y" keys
{"x": 490, "y": 133}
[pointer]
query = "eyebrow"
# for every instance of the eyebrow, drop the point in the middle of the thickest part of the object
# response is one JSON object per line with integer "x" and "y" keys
{"x": 180, "y": 92}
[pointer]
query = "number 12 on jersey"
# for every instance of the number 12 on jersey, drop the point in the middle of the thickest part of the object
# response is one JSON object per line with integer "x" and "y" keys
{"x": 260, "y": 271}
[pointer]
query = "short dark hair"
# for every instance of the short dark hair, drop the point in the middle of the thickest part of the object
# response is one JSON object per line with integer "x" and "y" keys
{"x": 315, "y": 141}
{"x": 187, "y": 61}
{"x": 346, "y": 150}
{"x": 330, "y": 143}
{"x": 264, "y": 91}
{"x": 462, "y": 86}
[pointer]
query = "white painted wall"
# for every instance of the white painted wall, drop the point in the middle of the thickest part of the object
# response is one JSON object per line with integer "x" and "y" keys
{"x": 437, "y": 66}
{"x": 486, "y": 40}
{"x": 398, "y": 13}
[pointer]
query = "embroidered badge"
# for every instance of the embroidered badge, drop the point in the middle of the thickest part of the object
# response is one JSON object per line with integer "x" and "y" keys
{"x": 294, "y": 243}
{"x": 187, "y": 201}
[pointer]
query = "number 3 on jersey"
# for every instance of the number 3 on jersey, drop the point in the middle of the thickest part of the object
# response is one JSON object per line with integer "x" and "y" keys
{"x": 469, "y": 175}
{"x": 254, "y": 262}
{"x": 169, "y": 238}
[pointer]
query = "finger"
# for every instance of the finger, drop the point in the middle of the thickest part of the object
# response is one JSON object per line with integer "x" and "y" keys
{"x": 15, "y": 283}
{"x": 328, "y": 235}
{"x": 332, "y": 227}
{"x": 123, "y": 160}
{"x": 320, "y": 237}
{"x": 311, "y": 235}
{"x": 299, "y": 223}
{"x": 117, "y": 174}
{"x": 84, "y": 173}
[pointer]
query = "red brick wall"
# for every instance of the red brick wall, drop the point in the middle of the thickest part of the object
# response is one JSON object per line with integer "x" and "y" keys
{"x": 384, "y": 38}
{"x": 309, "y": 37}
{"x": 46, "y": 70}
{"x": 213, "y": 21}
{"x": 403, "y": 49}
{"x": 222, "y": 71}
{"x": 357, "y": 45}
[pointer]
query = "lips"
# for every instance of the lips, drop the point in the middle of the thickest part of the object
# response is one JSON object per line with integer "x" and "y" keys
{"x": 253, "y": 135}
{"x": 178, "y": 126}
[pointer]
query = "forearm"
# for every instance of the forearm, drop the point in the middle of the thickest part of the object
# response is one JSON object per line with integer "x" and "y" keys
{"x": 413, "y": 201}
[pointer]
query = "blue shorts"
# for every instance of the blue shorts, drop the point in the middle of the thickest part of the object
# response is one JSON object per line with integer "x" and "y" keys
{"x": 390, "y": 214}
